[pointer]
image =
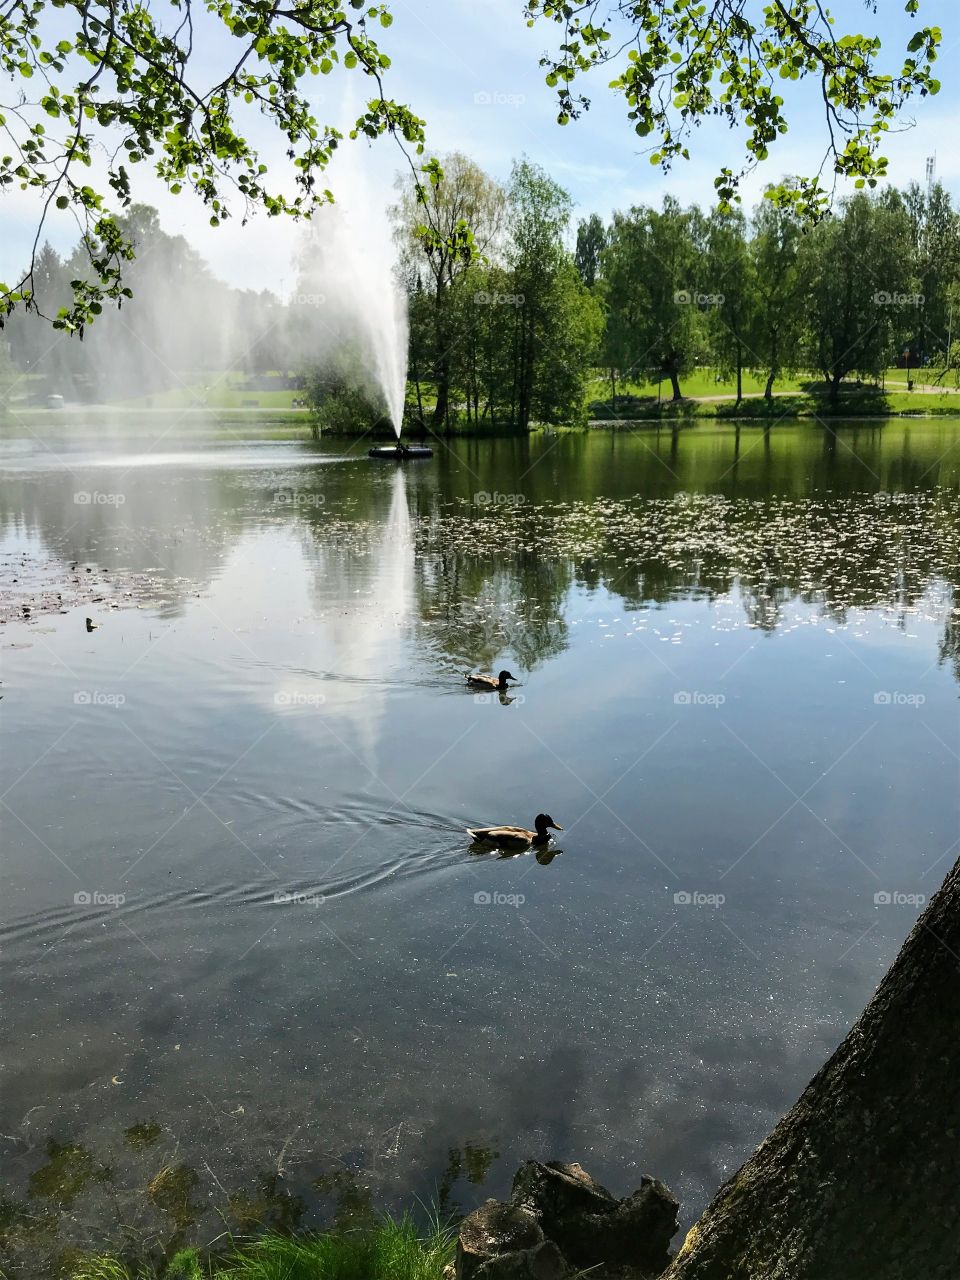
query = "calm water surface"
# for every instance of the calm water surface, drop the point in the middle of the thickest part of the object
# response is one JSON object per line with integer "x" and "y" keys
{"x": 738, "y": 658}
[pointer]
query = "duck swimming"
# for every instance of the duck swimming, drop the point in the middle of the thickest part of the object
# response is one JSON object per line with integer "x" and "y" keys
{"x": 516, "y": 837}
{"x": 498, "y": 683}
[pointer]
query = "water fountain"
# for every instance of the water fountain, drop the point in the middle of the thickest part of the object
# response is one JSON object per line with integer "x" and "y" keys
{"x": 347, "y": 273}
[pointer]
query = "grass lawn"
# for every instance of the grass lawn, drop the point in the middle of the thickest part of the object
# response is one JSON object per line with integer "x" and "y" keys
{"x": 699, "y": 382}
{"x": 803, "y": 396}
{"x": 120, "y": 424}
{"x": 214, "y": 392}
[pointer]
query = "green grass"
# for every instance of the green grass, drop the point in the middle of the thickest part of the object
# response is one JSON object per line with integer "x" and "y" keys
{"x": 392, "y": 1249}
{"x": 703, "y": 383}
{"x": 172, "y": 425}
{"x": 215, "y": 392}
{"x": 699, "y": 382}
{"x": 804, "y": 396}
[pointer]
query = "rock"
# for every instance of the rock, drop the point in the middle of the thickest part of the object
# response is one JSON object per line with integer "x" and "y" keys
{"x": 592, "y": 1227}
{"x": 543, "y": 1262}
{"x": 557, "y": 1191}
{"x": 493, "y": 1230}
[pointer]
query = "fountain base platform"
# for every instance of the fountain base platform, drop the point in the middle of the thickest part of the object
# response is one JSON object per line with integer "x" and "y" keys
{"x": 400, "y": 452}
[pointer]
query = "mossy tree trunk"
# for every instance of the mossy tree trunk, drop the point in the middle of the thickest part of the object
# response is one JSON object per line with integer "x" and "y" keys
{"x": 861, "y": 1179}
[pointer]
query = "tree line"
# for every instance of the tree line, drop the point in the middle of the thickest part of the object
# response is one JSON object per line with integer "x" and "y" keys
{"x": 513, "y": 333}
{"x": 515, "y": 313}
{"x": 181, "y": 327}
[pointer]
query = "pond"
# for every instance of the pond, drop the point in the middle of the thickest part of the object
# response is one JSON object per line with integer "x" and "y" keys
{"x": 252, "y": 964}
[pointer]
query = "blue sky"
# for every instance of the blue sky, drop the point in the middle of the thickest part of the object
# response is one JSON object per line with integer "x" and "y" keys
{"x": 470, "y": 67}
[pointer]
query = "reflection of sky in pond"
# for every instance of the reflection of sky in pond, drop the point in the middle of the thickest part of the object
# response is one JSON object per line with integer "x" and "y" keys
{"x": 737, "y": 682}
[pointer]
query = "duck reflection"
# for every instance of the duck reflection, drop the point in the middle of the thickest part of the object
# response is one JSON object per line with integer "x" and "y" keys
{"x": 545, "y": 854}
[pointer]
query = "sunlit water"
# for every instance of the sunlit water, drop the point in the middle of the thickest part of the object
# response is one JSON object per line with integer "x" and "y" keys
{"x": 738, "y": 659}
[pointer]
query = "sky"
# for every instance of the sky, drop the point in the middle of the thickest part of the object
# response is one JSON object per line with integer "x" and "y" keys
{"x": 471, "y": 69}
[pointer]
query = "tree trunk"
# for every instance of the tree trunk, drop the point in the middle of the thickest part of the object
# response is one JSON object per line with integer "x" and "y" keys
{"x": 441, "y": 363}
{"x": 675, "y": 383}
{"x": 739, "y": 374}
{"x": 415, "y": 371}
{"x": 768, "y": 390}
{"x": 859, "y": 1180}
{"x": 440, "y": 409}
{"x": 613, "y": 390}
{"x": 525, "y": 403}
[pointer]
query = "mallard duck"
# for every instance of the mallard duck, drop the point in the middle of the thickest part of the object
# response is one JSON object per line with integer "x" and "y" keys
{"x": 499, "y": 683}
{"x": 516, "y": 837}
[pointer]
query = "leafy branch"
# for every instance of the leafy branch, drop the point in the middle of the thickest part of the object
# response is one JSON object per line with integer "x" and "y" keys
{"x": 143, "y": 94}
{"x": 686, "y": 62}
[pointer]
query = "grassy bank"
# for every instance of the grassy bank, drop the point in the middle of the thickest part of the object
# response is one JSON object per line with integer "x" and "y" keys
{"x": 111, "y": 425}
{"x": 705, "y": 400}
{"x": 388, "y": 1250}
{"x": 855, "y": 403}
{"x": 708, "y": 395}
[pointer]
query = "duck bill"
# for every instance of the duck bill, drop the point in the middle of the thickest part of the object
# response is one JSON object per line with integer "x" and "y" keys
{"x": 556, "y": 826}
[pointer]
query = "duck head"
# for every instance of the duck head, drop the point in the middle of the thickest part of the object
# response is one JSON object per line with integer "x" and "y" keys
{"x": 504, "y": 676}
{"x": 542, "y": 821}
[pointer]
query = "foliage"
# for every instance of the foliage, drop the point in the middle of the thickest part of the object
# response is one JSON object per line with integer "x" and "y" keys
{"x": 652, "y": 267}
{"x": 855, "y": 272}
{"x": 150, "y": 346}
{"x": 102, "y": 1267}
{"x": 591, "y": 242}
{"x": 8, "y": 377}
{"x": 730, "y": 271}
{"x": 688, "y": 62}
{"x": 539, "y": 215}
{"x": 392, "y": 1249}
{"x": 118, "y": 73}
{"x": 507, "y": 335}
{"x": 935, "y": 255}
{"x": 774, "y": 251}
{"x": 341, "y": 397}
{"x": 430, "y": 225}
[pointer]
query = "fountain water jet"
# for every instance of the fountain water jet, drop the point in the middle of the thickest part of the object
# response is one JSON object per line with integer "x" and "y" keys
{"x": 347, "y": 278}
